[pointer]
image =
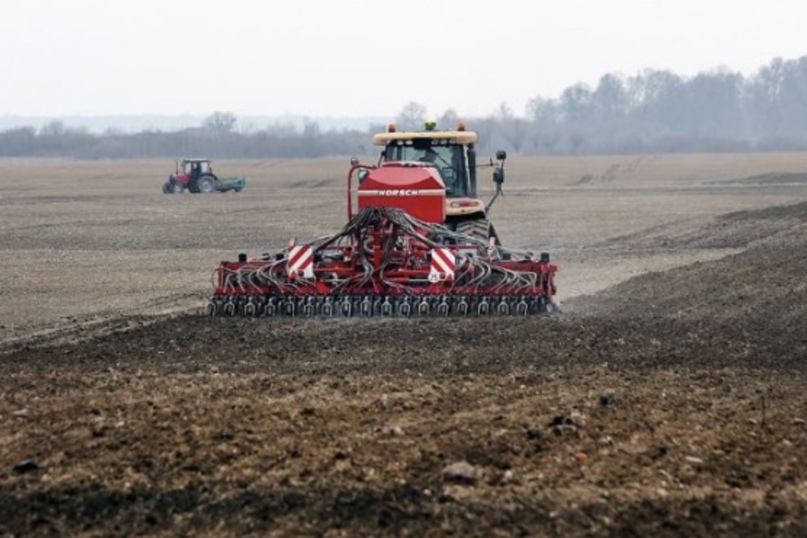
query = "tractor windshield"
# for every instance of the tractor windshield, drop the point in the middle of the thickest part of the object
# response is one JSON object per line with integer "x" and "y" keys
{"x": 196, "y": 167}
{"x": 448, "y": 159}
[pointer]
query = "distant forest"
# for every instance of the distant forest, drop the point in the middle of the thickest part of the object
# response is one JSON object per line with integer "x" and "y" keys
{"x": 651, "y": 112}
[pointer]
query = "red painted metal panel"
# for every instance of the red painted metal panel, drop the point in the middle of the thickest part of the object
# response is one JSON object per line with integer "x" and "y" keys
{"x": 416, "y": 189}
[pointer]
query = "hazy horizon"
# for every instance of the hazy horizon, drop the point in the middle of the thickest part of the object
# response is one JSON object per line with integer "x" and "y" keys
{"x": 130, "y": 123}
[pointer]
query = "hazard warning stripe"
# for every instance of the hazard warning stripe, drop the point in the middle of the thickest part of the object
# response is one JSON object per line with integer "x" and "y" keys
{"x": 442, "y": 265}
{"x": 298, "y": 255}
{"x": 301, "y": 259}
{"x": 444, "y": 259}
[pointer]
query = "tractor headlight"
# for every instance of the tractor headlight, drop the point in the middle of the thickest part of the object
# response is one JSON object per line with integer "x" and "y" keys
{"x": 462, "y": 204}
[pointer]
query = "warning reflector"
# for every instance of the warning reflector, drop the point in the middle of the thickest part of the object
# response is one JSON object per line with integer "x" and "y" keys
{"x": 301, "y": 261}
{"x": 443, "y": 265}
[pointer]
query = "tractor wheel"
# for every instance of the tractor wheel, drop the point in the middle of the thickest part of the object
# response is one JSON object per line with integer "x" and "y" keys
{"x": 206, "y": 184}
{"x": 478, "y": 228}
{"x": 177, "y": 188}
{"x": 167, "y": 187}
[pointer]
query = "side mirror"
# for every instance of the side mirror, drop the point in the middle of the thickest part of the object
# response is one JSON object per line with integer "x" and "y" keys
{"x": 498, "y": 176}
{"x": 354, "y": 161}
{"x": 501, "y": 155}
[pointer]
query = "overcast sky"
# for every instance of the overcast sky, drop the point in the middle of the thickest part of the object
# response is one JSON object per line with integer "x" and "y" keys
{"x": 363, "y": 57}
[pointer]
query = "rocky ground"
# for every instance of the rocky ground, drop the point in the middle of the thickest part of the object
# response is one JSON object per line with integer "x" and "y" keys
{"x": 672, "y": 404}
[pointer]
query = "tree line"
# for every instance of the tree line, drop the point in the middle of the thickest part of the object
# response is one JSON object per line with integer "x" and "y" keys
{"x": 651, "y": 112}
{"x": 659, "y": 111}
{"x": 56, "y": 140}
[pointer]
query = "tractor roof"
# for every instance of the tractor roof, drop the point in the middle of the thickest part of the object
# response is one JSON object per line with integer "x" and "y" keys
{"x": 460, "y": 137}
{"x": 195, "y": 160}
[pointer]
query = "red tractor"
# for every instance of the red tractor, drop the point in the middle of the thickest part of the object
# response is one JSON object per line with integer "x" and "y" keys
{"x": 196, "y": 176}
{"x": 419, "y": 243}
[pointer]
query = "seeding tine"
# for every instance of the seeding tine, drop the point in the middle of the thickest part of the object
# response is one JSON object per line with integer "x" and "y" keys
{"x": 271, "y": 307}
{"x": 308, "y": 308}
{"x": 366, "y": 307}
{"x": 484, "y": 307}
{"x": 522, "y": 307}
{"x": 443, "y": 307}
{"x": 229, "y": 306}
{"x": 290, "y": 306}
{"x": 347, "y": 307}
{"x": 405, "y": 309}
{"x": 249, "y": 308}
{"x": 327, "y": 307}
{"x": 386, "y": 307}
{"x": 462, "y": 308}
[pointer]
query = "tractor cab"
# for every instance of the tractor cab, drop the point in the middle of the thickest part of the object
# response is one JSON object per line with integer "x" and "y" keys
{"x": 452, "y": 154}
{"x": 194, "y": 168}
{"x": 445, "y": 154}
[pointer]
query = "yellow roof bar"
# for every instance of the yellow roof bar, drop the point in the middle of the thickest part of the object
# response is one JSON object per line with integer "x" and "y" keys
{"x": 460, "y": 137}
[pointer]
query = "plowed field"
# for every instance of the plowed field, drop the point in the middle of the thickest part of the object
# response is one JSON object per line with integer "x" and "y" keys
{"x": 668, "y": 399}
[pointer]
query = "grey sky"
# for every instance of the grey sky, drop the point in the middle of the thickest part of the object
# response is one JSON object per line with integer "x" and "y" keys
{"x": 363, "y": 57}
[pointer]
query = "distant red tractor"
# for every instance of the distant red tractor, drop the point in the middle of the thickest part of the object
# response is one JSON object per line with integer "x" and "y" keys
{"x": 196, "y": 176}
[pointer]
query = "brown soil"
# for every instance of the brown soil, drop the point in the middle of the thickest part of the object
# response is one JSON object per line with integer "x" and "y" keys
{"x": 668, "y": 404}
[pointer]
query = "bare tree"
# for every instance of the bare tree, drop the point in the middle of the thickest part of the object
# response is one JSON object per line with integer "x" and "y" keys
{"x": 53, "y": 128}
{"x": 449, "y": 119}
{"x": 512, "y": 129}
{"x": 220, "y": 122}
{"x": 411, "y": 117}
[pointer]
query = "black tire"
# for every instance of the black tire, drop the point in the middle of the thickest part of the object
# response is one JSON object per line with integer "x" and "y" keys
{"x": 206, "y": 184}
{"x": 478, "y": 228}
{"x": 167, "y": 187}
{"x": 176, "y": 188}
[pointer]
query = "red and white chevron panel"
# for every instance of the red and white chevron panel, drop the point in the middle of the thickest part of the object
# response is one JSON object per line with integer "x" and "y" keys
{"x": 301, "y": 261}
{"x": 443, "y": 265}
